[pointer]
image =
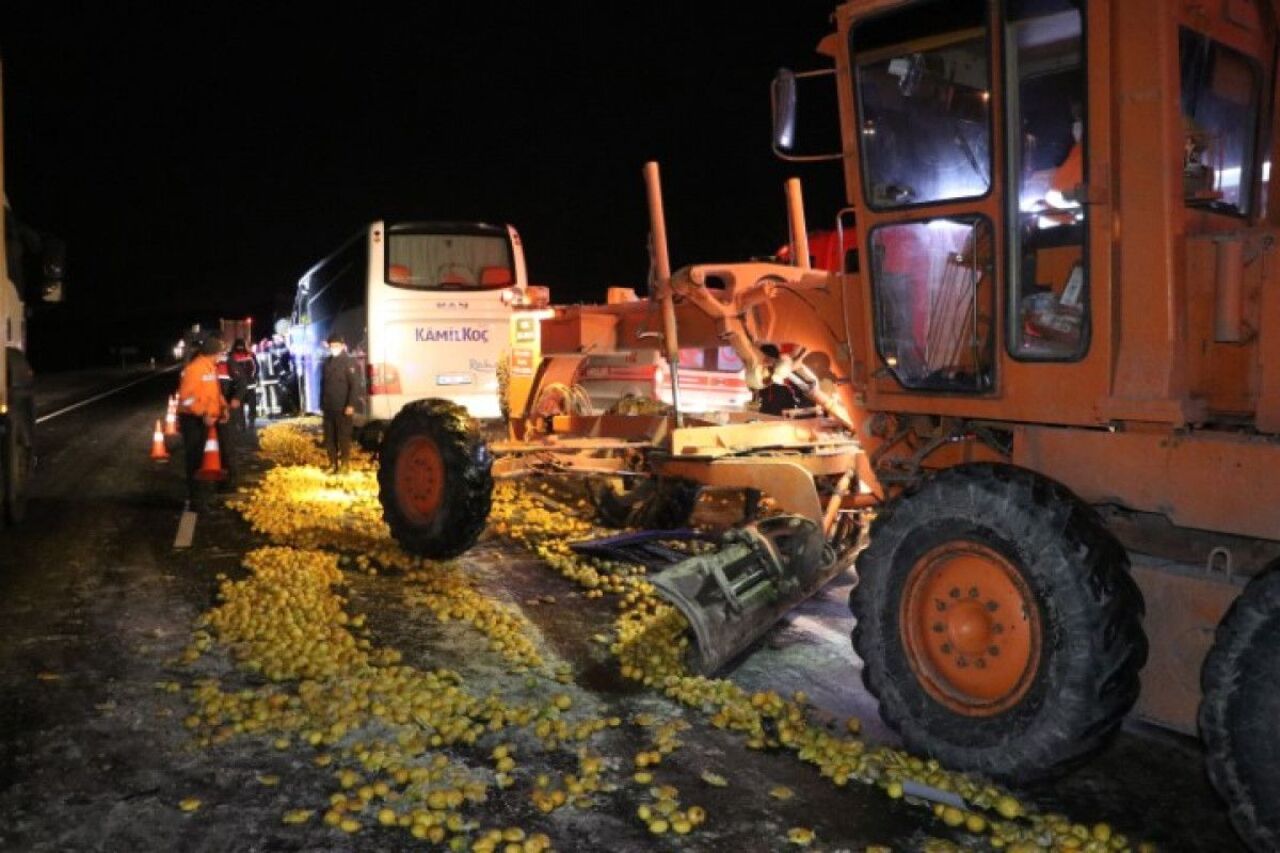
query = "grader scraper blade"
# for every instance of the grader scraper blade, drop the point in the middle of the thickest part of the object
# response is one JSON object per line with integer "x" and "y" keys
{"x": 733, "y": 596}
{"x": 645, "y": 547}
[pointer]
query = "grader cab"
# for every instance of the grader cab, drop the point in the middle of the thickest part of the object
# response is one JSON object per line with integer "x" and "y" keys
{"x": 1053, "y": 377}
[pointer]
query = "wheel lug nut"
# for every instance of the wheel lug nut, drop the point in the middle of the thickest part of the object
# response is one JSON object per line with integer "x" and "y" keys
{"x": 992, "y": 607}
{"x": 946, "y": 648}
{"x": 955, "y": 592}
{"x": 973, "y": 592}
{"x": 994, "y": 651}
{"x": 938, "y": 627}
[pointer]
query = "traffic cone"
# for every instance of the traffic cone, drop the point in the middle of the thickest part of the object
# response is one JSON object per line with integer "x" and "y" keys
{"x": 211, "y": 465}
{"x": 158, "y": 451}
{"x": 171, "y": 417}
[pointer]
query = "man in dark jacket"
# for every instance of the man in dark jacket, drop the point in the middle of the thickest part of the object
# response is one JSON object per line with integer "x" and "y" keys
{"x": 339, "y": 390}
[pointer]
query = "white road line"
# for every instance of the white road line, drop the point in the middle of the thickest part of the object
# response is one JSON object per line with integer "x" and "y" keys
{"x": 186, "y": 530}
{"x": 98, "y": 397}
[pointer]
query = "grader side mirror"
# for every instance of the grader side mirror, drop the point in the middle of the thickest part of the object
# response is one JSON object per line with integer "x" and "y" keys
{"x": 784, "y": 100}
{"x": 784, "y": 111}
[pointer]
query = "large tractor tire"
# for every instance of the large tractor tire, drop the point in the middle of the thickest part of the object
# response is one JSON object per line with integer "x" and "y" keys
{"x": 434, "y": 479}
{"x": 1240, "y": 710}
{"x": 664, "y": 504}
{"x": 997, "y": 622}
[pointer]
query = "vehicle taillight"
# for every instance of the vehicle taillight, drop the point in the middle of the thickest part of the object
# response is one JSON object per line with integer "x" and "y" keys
{"x": 384, "y": 379}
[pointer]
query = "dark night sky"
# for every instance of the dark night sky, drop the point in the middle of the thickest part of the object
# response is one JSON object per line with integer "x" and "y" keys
{"x": 197, "y": 158}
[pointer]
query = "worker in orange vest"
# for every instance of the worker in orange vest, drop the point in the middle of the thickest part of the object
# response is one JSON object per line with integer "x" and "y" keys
{"x": 1068, "y": 177}
{"x": 200, "y": 406}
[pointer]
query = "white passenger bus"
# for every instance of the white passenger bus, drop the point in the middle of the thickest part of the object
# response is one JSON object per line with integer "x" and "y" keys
{"x": 425, "y": 307}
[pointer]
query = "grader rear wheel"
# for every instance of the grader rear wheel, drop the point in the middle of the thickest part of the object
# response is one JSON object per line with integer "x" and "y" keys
{"x": 1240, "y": 710}
{"x": 997, "y": 622}
{"x": 434, "y": 479}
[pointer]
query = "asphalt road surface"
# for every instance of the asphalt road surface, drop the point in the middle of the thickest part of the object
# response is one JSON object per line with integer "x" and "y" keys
{"x": 96, "y": 605}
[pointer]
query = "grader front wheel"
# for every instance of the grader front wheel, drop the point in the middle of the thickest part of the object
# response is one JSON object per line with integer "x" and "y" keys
{"x": 997, "y": 622}
{"x": 434, "y": 479}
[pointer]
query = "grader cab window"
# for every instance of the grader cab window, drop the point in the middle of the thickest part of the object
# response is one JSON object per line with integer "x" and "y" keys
{"x": 1220, "y": 95}
{"x": 1049, "y": 285}
{"x": 934, "y": 302}
{"x": 924, "y": 93}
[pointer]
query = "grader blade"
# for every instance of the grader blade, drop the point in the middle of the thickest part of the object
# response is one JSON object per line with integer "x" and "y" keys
{"x": 645, "y": 546}
{"x": 733, "y": 596}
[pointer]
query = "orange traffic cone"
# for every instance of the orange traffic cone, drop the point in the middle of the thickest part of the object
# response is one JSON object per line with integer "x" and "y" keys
{"x": 211, "y": 465}
{"x": 171, "y": 421}
{"x": 158, "y": 451}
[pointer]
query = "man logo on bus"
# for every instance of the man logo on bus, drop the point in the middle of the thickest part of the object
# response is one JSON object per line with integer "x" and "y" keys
{"x": 463, "y": 334}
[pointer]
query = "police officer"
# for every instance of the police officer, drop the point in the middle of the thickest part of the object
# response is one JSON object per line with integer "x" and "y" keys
{"x": 339, "y": 390}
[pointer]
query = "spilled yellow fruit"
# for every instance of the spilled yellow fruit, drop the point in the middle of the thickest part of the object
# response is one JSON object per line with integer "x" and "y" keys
{"x": 400, "y": 736}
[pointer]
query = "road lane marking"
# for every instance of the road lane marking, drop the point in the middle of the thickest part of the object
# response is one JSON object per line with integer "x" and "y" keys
{"x": 95, "y": 398}
{"x": 186, "y": 530}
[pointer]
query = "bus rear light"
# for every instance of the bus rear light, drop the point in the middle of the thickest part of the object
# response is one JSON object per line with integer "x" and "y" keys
{"x": 659, "y": 380}
{"x": 384, "y": 379}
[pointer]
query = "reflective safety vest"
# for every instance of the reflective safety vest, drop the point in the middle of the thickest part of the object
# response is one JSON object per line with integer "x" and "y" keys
{"x": 198, "y": 391}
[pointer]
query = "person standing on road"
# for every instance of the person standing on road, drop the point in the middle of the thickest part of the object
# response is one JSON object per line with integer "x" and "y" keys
{"x": 339, "y": 389}
{"x": 201, "y": 405}
{"x": 243, "y": 368}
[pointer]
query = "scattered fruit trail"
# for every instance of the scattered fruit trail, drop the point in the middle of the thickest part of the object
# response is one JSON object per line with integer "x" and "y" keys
{"x": 412, "y": 748}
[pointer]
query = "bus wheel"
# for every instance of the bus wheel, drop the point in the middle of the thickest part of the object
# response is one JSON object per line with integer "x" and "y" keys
{"x": 1238, "y": 714}
{"x": 434, "y": 479}
{"x": 15, "y": 467}
{"x": 997, "y": 622}
{"x": 662, "y": 504}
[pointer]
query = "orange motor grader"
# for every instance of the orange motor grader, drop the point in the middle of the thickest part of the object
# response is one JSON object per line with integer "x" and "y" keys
{"x": 1050, "y": 364}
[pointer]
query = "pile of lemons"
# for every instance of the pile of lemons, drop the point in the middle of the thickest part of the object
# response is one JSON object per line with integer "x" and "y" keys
{"x": 292, "y": 442}
{"x": 413, "y": 748}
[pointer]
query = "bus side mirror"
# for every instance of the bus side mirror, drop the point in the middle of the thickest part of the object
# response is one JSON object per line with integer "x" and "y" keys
{"x": 52, "y": 270}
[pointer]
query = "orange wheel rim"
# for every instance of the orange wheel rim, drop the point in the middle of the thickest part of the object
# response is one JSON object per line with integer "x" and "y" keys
{"x": 971, "y": 628}
{"x": 420, "y": 479}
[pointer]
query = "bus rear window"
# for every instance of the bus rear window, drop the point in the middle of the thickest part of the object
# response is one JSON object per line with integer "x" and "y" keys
{"x": 449, "y": 261}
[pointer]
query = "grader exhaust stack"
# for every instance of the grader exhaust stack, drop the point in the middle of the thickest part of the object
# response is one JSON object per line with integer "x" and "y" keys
{"x": 662, "y": 270}
{"x": 733, "y": 596}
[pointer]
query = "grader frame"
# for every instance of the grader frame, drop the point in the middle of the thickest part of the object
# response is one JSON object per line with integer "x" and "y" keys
{"x": 1057, "y": 406}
